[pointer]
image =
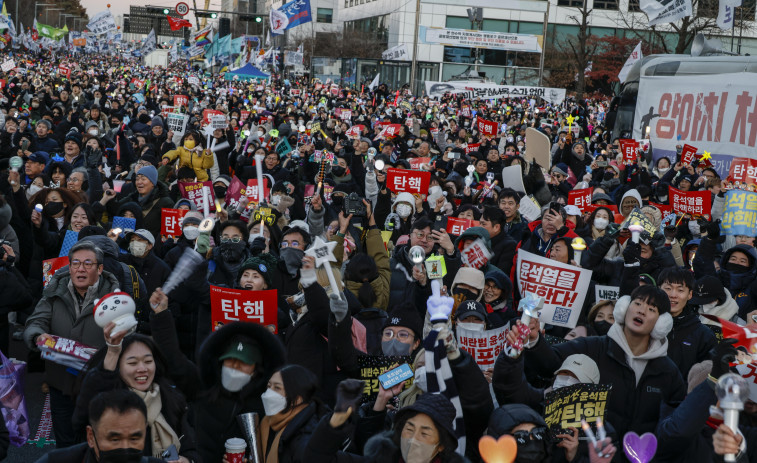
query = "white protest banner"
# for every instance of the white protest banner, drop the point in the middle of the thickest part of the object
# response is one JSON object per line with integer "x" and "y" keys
{"x": 725, "y": 16}
{"x": 396, "y": 53}
{"x": 293, "y": 58}
{"x": 476, "y": 254}
{"x": 8, "y": 65}
{"x": 101, "y": 23}
{"x": 635, "y": 56}
{"x": 606, "y": 293}
{"x": 483, "y": 346}
{"x": 472, "y": 90}
{"x": 538, "y": 147}
{"x": 482, "y": 39}
{"x": 529, "y": 208}
{"x": 218, "y": 122}
{"x": 714, "y": 119}
{"x": 512, "y": 176}
{"x": 562, "y": 286}
{"x": 193, "y": 80}
{"x": 666, "y": 11}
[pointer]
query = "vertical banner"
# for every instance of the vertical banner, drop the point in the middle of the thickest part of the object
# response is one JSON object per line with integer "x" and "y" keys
{"x": 562, "y": 286}
{"x": 235, "y": 305}
{"x": 687, "y": 154}
{"x": 253, "y": 192}
{"x": 483, "y": 346}
{"x": 740, "y": 215}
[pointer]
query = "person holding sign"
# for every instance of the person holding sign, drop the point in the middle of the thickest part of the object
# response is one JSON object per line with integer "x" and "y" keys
{"x": 191, "y": 154}
{"x": 632, "y": 357}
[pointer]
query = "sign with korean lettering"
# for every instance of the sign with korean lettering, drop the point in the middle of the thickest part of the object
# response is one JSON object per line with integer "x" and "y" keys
{"x": 471, "y": 147}
{"x": 239, "y": 305}
{"x": 412, "y": 181}
{"x": 234, "y": 193}
{"x": 475, "y": 254}
{"x": 354, "y": 131}
{"x": 65, "y": 351}
{"x": 456, "y": 226}
{"x": 170, "y": 221}
{"x": 637, "y": 216}
{"x": 416, "y": 163}
{"x": 295, "y": 92}
{"x": 194, "y": 192}
{"x": 749, "y": 373}
{"x": 389, "y": 131}
{"x": 373, "y": 366}
{"x": 166, "y": 110}
{"x": 562, "y": 286}
{"x": 606, "y": 293}
{"x": 687, "y": 154}
{"x": 343, "y": 113}
{"x": 180, "y": 100}
{"x": 486, "y": 128}
{"x": 743, "y": 171}
{"x": 695, "y": 203}
{"x": 50, "y": 266}
{"x": 206, "y": 113}
{"x": 580, "y": 198}
{"x": 629, "y": 147}
{"x": 483, "y": 346}
{"x": 567, "y": 406}
{"x": 252, "y": 192}
{"x": 8, "y": 65}
{"x": 64, "y": 70}
{"x": 740, "y": 215}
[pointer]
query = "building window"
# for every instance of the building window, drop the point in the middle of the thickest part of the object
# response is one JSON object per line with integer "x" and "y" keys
{"x": 606, "y": 4}
{"x": 571, "y": 3}
{"x": 633, "y": 6}
{"x": 325, "y": 15}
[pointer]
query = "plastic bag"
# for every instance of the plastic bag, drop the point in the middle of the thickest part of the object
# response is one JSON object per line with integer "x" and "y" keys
{"x": 12, "y": 400}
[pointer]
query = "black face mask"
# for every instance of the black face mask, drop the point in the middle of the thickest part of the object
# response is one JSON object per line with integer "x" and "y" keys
{"x": 53, "y": 208}
{"x": 466, "y": 293}
{"x": 601, "y": 327}
{"x": 338, "y": 171}
{"x": 122, "y": 455}
{"x": 292, "y": 258}
{"x": 736, "y": 268}
{"x": 608, "y": 176}
{"x": 220, "y": 192}
{"x": 532, "y": 451}
{"x": 232, "y": 252}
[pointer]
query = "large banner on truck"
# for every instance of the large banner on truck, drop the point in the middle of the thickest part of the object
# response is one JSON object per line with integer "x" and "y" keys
{"x": 715, "y": 119}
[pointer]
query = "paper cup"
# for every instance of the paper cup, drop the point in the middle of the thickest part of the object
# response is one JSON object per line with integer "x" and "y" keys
{"x": 235, "y": 448}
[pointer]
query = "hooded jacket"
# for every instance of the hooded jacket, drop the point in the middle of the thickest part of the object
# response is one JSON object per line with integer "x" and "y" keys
{"x": 151, "y": 206}
{"x": 200, "y": 161}
{"x": 609, "y": 271}
{"x": 728, "y": 310}
{"x": 742, "y": 286}
{"x": 689, "y": 341}
{"x": 474, "y": 233}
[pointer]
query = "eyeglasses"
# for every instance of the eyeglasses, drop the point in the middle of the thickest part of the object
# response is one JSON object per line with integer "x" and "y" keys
{"x": 522, "y": 437}
{"x": 88, "y": 264}
{"x": 422, "y": 236}
{"x": 294, "y": 244}
{"x": 73, "y": 180}
{"x": 235, "y": 239}
{"x": 402, "y": 335}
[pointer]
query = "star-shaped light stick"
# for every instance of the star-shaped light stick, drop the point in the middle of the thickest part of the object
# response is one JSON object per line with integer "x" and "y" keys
{"x": 323, "y": 253}
{"x": 570, "y": 120}
{"x": 706, "y": 156}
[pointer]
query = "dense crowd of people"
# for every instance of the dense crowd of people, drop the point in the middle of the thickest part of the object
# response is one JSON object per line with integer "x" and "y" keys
{"x": 79, "y": 153}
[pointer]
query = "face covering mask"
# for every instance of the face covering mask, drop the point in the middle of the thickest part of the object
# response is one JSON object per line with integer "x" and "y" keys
{"x": 191, "y": 233}
{"x": 137, "y": 248}
{"x": 694, "y": 227}
{"x": 602, "y": 327}
{"x": 234, "y": 380}
{"x": 404, "y": 210}
{"x": 122, "y": 455}
{"x": 338, "y": 171}
{"x": 564, "y": 380}
{"x": 466, "y": 294}
{"x": 220, "y": 192}
{"x": 35, "y": 105}
{"x": 420, "y": 378}
{"x": 608, "y": 176}
{"x": 479, "y": 327}
{"x": 53, "y": 208}
{"x": 232, "y": 252}
{"x": 293, "y": 259}
{"x": 736, "y": 268}
{"x": 260, "y": 134}
{"x": 33, "y": 190}
{"x": 663, "y": 171}
{"x": 273, "y": 402}
{"x": 663, "y": 197}
{"x": 601, "y": 224}
{"x": 93, "y": 132}
{"x": 708, "y": 307}
{"x": 395, "y": 348}
{"x": 531, "y": 452}
{"x": 275, "y": 200}
{"x": 414, "y": 451}
{"x": 189, "y": 144}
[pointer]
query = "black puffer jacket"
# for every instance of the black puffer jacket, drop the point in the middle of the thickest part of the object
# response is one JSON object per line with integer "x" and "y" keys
{"x": 295, "y": 436}
{"x": 609, "y": 271}
{"x": 689, "y": 341}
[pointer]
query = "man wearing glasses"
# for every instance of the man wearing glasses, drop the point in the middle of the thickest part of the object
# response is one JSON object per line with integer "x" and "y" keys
{"x": 66, "y": 310}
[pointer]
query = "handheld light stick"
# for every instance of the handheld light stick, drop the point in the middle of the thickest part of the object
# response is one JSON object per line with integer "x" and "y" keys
{"x": 529, "y": 306}
{"x": 205, "y": 200}
{"x": 323, "y": 253}
{"x": 601, "y": 429}
{"x": 417, "y": 256}
{"x": 579, "y": 246}
{"x": 732, "y": 391}
{"x": 469, "y": 177}
{"x": 590, "y": 434}
{"x": 636, "y": 230}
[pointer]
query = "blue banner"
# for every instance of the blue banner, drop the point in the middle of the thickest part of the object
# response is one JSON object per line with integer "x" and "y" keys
{"x": 298, "y": 12}
{"x": 740, "y": 215}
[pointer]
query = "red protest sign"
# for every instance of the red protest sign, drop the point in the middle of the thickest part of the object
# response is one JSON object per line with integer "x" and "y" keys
{"x": 415, "y": 163}
{"x": 389, "y": 131}
{"x": 194, "y": 193}
{"x": 456, "y": 226}
{"x": 239, "y": 305}
{"x": 354, "y": 131}
{"x": 743, "y": 170}
{"x": 695, "y": 203}
{"x": 64, "y": 71}
{"x": 687, "y": 154}
{"x": 180, "y": 100}
{"x": 412, "y": 181}
{"x": 252, "y": 192}
{"x": 166, "y": 110}
{"x": 50, "y": 266}
{"x": 343, "y": 113}
{"x": 487, "y": 128}
{"x": 295, "y": 92}
{"x": 475, "y": 254}
{"x": 665, "y": 209}
{"x": 243, "y": 115}
{"x": 629, "y": 147}
{"x": 465, "y": 111}
{"x": 580, "y": 198}
{"x": 170, "y": 221}
{"x": 471, "y": 147}
{"x": 206, "y": 113}
{"x": 234, "y": 192}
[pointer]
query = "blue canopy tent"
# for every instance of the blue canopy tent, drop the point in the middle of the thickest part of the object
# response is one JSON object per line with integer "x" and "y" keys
{"x": 246, "y": 72}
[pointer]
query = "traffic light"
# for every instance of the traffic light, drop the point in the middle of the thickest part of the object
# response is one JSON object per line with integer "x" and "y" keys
{"x": 166, "y": 10}
{"x": 213, "y": 15}
{"x": 206, "y": 14}
{"x": 249, "y": 17}
{"x": 258, "y": 19}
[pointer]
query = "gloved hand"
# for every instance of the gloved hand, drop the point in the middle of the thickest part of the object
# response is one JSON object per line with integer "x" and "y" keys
{"x": 612, "y": 230}
{"x": 257, "y": 246}
{"x": 722, "y": 355}
{"x": 202, "y": 244}
{"x": 670, "y": 232}
{"x": 338, "y": 306}
{"x": 450, "y": 343}
{"x": 632, "y": 253}
{"x": 713, "y": 231}
{"x": 92, "y": 157}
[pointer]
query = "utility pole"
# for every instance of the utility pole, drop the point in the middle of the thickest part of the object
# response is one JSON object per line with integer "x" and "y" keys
{"x": 476, "y": 16}
{"x": 543, "y": 45}
{"x": 414, "y": 65}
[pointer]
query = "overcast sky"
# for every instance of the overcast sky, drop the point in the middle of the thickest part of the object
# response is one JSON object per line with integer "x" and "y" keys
{"x": 121, "y": 7}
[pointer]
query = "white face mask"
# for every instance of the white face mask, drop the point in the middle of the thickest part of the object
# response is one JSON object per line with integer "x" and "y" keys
{"x": 563, "y": 381}
{"x": 471, "y": 326}
{"x": 33, "y": 190}
{"x": 93, "y": 132}
{"x": 600, "y": 223}
{"x": 260, "y": 134}
{"x": 414, "y": 451}
{"x": 420, "y": 378}
{"x": 273, "y": 402}
{"x": 663, "y": 171}
{"x": 234, "y": 380}
{"x": 137, "y": 248}
{"x": 708, "y": 307}
{"x": 191, "y": 233}
{"x": 404, "y": 210}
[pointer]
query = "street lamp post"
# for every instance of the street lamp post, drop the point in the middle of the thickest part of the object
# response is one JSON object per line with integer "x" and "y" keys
{"x": 40, "y": 4}
{"x": 47, "y": 10}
